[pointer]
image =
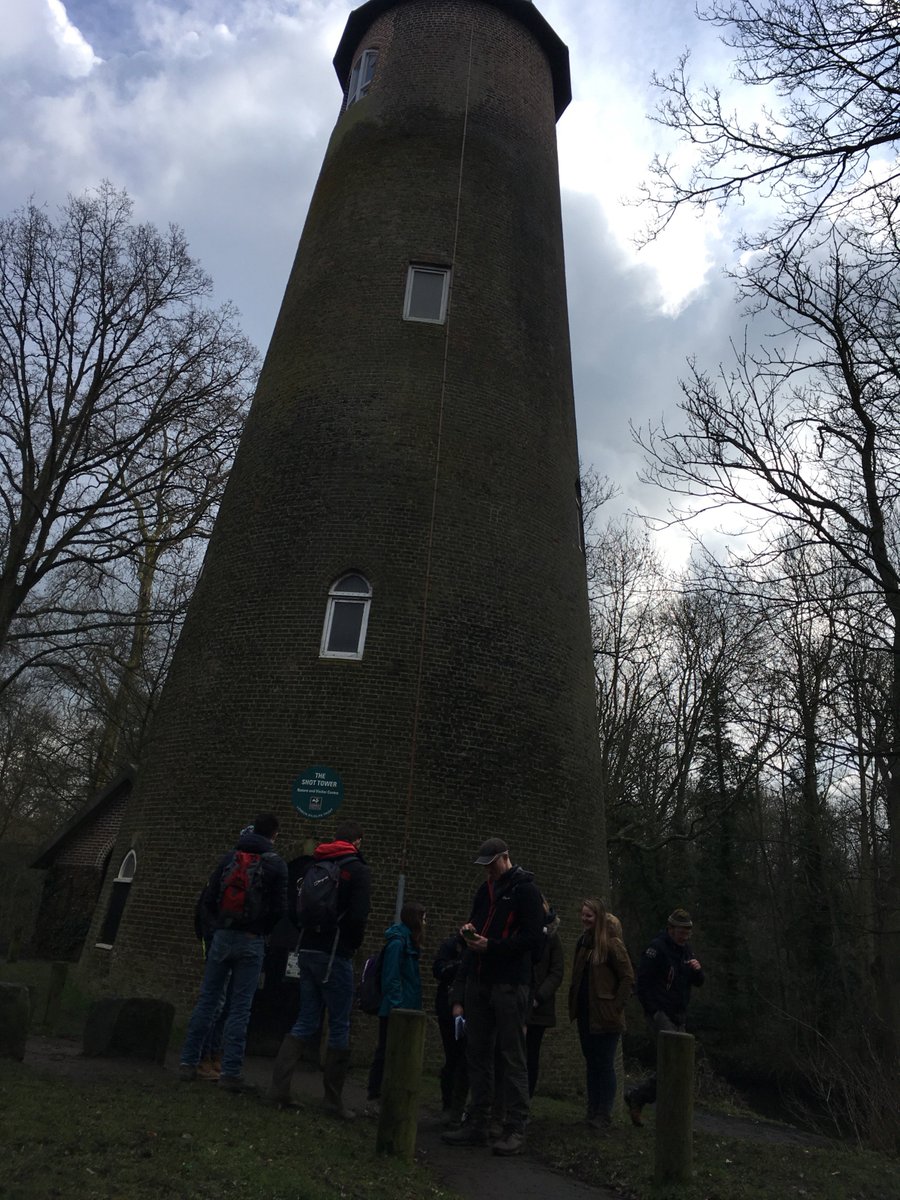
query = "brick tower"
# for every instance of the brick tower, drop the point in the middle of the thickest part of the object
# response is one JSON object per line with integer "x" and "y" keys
{"x": 395, "y": 590}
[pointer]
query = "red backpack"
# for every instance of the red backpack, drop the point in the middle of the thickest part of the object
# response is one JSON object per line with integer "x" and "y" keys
{"x": 241, "y": 897}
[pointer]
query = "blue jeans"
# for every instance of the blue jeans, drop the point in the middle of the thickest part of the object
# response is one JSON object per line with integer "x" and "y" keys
{"x": 212, "y": 1046}
{"x": 599, "y": 1050}
{"x": 315, "y": 995}
{"x": 239, "y": 955}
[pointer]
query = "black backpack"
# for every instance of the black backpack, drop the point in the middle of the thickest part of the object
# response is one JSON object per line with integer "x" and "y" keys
{"x": 317, "y": 895}
{"x": 370, "y": 993}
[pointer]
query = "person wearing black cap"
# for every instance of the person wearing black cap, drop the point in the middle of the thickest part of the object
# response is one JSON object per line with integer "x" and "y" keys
{"x": 666, "y": 973}
{"x": 504, "y": 937}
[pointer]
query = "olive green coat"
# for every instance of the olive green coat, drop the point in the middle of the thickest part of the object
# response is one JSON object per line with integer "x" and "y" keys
{"x": 609, "y": 986}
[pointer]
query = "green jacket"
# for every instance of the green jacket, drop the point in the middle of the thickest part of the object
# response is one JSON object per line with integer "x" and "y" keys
{"x": 609, "y": 986}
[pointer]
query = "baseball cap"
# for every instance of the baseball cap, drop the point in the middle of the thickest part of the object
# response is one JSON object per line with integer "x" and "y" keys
{"x": 490, "y": 850}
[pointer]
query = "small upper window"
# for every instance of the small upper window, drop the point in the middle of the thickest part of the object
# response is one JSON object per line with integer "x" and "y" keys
{"x": 426, "y": 294}
{"x": 361, "y": 76}
{"x": 346, "y": 618}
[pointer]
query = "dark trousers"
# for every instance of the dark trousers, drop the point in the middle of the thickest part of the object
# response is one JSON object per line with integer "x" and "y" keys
{"x": 376, "y": 1071}
{"x": 534, "y": 1035}
{"x": 599, "y": 1050}
{"x": 455, "y": 1071}
{"x": 495, "y": 1022}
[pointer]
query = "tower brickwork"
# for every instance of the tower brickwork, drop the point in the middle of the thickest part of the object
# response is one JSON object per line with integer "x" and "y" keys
{"x": 437, "y": 459}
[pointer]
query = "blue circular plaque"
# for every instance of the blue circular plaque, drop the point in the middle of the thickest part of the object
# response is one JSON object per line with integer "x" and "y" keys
{"x": 317, "y": 793}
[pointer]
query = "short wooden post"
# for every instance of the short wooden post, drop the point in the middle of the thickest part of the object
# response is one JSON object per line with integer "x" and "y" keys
{"x": 58, "y": 973}
{"x": 402, "y": 1083}
{"x": 674, "y": 1107}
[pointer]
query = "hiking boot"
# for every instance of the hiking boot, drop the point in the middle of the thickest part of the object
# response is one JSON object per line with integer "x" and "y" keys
{"x": 634, "y": 1109}
{"x": 206, "y": 1070}
{"x": 495, "y": 1131}
{"x": 186, "y": 1072}
{"x": 289, "y": 1052}
{"x": 511, "y": 1143}
{"x": 600, "y": 1122}
{"x": 466, "y": 1135}
{"x": 236, "y": 1083}
{"x": 337, "y": 1063}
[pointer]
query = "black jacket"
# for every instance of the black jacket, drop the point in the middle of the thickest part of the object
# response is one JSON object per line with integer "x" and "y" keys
{"x": 445, "y": 968}
{"x": 274, "y": 887}
{"x": 510, "y": 914}
{"x": 354, "y": 902}
{"x": 664, "y": 980}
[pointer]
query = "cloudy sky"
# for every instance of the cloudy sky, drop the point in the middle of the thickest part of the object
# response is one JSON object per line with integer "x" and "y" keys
{"x": 214, "y": 114}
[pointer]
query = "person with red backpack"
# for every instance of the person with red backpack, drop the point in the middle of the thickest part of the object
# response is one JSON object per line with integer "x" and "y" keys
{"x": 244, "y": 900}
{"x": 333, "y": 901}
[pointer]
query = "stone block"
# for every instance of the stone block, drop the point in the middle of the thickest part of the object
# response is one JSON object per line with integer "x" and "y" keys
{"x": 15, "y": 1013}
{"x": 122, "y": 1028}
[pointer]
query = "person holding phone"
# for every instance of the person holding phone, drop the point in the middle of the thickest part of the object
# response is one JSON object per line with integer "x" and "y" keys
{"x": 504, "y": 936}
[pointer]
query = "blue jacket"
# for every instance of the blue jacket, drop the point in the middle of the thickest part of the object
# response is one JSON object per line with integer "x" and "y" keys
{"x": 401, "y": 985}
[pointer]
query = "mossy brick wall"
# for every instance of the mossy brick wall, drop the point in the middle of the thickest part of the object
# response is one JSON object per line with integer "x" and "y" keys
{"x": 369, "y": 440}
{"x": 73, "y": 882}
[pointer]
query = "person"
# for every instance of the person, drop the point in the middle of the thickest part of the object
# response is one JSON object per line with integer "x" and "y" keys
{"x": 547, "y": 976}
{"x": 602, "y": 979}
{"x": 236, "y": 949}
{"x": 210, "y": 1065}
{"x": 504, "y": 936}
{"x": 401, "y": 984}
{"x": 454, "y": 1072}
{"x": 325, "y": 958}
{"x": 666, "y": 973}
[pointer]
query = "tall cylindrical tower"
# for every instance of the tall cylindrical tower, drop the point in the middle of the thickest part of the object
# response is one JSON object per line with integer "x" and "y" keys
{"x": 395, "y": 591}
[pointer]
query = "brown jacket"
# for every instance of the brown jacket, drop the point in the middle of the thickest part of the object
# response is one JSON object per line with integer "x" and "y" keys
{"x": 609, "y": 986}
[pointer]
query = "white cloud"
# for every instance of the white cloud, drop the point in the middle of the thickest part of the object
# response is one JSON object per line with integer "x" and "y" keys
{"x": 216, "y": 115}
{"x": 76, "y": 56}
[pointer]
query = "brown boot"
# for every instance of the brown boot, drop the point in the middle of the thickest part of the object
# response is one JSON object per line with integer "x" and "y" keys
{"x": 337, "y": 1063}
{"x": 206, "y": 1069}
{"x": 283, "y": 1072}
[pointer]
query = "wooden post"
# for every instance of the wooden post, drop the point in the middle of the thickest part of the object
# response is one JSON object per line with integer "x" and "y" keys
{"x": 402, "y": 1083}
{"x": 58, "y": 973}
{"x": 674, "y": 1107}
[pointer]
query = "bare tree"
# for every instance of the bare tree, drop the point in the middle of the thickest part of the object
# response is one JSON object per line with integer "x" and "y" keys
{"x": 121, "y": 397}
{"x": 834, "y": 66}
{"x": 806, "y": 437}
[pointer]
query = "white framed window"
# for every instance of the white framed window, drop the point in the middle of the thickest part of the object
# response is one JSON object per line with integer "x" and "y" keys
{"x": 346, "y": 617}
{"x": 426, "y": 294}
{"x": 120, "y": 889}
{"x": 361, "y": 76}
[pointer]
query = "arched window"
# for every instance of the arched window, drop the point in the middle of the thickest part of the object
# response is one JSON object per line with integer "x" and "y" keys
{"x": 120, "y": 889}
{"x": 346, "y": 618}
{"x": 361, "y": 76}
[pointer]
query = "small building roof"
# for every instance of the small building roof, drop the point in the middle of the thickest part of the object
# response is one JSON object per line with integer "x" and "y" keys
{"x": 522, "y": 10}
{"x": 49, "y": 852}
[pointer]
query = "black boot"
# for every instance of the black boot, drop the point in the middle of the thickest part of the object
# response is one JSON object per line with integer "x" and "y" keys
{"x": 337, "y": 1063}
{"x": 283, "y": 1072}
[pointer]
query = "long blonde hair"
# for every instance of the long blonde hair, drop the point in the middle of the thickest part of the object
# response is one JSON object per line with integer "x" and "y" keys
{"x": 600, "y": 933}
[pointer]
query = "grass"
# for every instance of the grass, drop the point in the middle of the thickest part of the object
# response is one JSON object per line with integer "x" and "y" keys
{"x": 725, "y": 1168}
{"x": 153, "y": 1138}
